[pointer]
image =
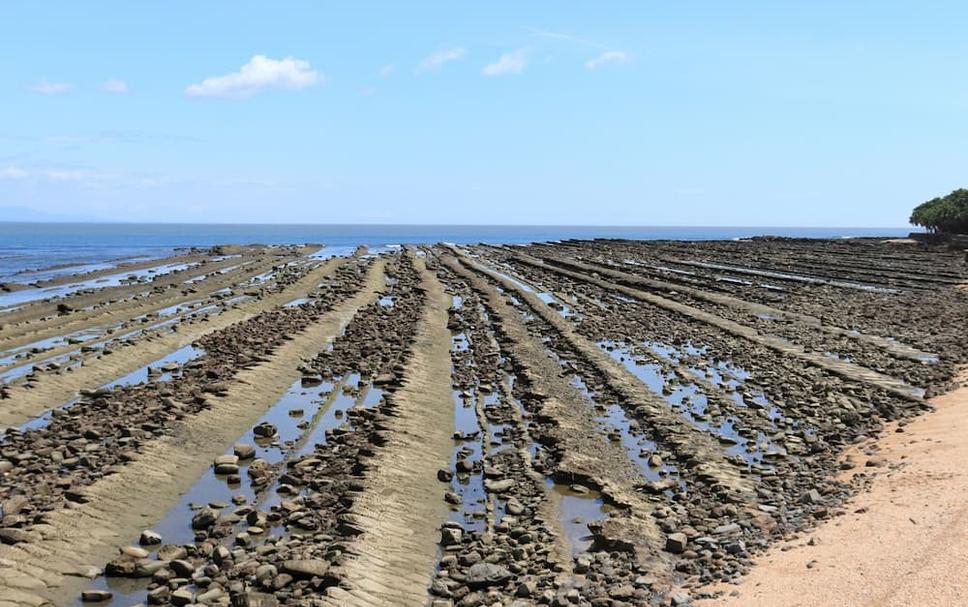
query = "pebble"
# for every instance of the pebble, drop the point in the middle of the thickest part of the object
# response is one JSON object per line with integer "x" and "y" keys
{"x": 96, "y": 596}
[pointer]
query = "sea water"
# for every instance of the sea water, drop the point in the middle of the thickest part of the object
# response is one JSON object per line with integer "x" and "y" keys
{"x": 38, "y": 251}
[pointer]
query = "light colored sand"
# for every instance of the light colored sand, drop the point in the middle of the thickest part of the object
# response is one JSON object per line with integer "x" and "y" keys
{"x": 401, "y": 507}
{"x": 911, "y": 545}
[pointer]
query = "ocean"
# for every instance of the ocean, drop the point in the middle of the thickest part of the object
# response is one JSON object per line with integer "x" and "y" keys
{"x": 37, "y": 251}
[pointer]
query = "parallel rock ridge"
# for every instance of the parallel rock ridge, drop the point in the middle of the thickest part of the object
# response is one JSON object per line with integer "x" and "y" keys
{"x": 602, "y": 422}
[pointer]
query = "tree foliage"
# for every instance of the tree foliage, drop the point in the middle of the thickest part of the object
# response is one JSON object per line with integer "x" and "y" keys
{"x": 946, "y": 214}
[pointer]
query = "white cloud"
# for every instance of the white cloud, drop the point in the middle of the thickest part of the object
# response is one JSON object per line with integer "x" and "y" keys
{"x": 563, "y": 37}
{"x": 386, "y": 70}
{"x": 51, "y": 88}
{"x": 509, "y": 63}
{"x": 13, "y": 173}
{"x": 118, "y": 87}
{"x": 606, "y": 58}
{"x": 58, "y": 174}
{"x": 68, "y": 174}
{"x": 259, "y": 73}
{"x": 434, "y": 61}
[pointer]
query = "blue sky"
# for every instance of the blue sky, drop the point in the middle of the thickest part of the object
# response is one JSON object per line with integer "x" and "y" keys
{"x": 645, "y": 112}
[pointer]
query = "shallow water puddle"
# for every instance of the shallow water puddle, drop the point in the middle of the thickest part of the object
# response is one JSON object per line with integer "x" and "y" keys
{"x": 111, "y": 280}
{"x": 545, "y": 296}
{"x": 75, "y": 338}
{"x": 202, "y": 277}
{"x": 179, "y": 308}
{"x": 639, "y": 449}
{"x": 144, "y": 374}
{"x": 467, "y": 459}
{"x": 259, "y": 279}
{"x": 330, "y": 414}
{"x": 516, "y": 281}
{"x": 461, "y": 343}
{"x": 651, "y": 374}
{"x": 141, "y": 375}
{"x": 323, "y": 407}
{"x": 690, "y": 401}
{"x": 806, "y": 278}
{"x": 618, "y": 426}
{"x": 71, "y": 356}
{"x": 333, "y": 412}
{"x": 575, "y": 510}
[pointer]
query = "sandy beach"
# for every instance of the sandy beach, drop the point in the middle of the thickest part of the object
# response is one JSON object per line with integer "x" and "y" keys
{"x": 901, "y": 541}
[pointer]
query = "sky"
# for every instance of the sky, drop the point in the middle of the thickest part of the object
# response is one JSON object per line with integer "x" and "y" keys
{"x": 505, "y": 112}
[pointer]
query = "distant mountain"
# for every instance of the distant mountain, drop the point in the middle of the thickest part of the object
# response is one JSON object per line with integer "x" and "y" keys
{"x": 21, "y": 213}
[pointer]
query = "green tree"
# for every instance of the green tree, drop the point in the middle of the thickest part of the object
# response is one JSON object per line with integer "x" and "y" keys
{"x": 947, "y": 214}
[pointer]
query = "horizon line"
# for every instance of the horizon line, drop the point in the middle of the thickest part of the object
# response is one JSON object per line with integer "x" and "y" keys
{"x": 454, "y": 225}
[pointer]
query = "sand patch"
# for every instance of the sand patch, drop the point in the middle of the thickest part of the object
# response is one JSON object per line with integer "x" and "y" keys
{"x": 902, "y": 543}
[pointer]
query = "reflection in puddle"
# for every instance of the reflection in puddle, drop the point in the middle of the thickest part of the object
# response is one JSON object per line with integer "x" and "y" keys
{"x": 467, "y": 461}
{"x": 302, "y": 417}
{"x": 575, "y": 510}
{"x": 640, "y": 450}
{"x": 692, "y": 403}
{"x": 792, "y": 277}
{"x": 145, "y": 275}
{"x": 72, "y": 357}
{"x": 162, "y": 369}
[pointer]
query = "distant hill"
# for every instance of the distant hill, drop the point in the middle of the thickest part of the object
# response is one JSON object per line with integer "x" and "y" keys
{"x": 21, "y": 213}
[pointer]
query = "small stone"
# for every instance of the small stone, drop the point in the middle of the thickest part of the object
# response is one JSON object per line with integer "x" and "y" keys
{"x": 500, "y": 486}
{"x": 159, "y": 595}
{"x": 170, "y": 552}
{"x": 680, "y": 598}
{"x": 95, "y": 596}
{"x": 135, "y": 552}
{"x": 244, "y": 451}
{"x": 727, "y": 529}
{"x": 264, "y": 430}
{"x": 182, "y": 596}
{"x": 210, "y": 596}
{"x": 526, "y": 589}
{"x": 149, "y": 538}
{"x": 88, "y": 571}
{"x": 226, "y": 459}
{"x": 811, "y": 497}
{"x": 204, "y": 518}
{"x": 482, "y": 575}
{"x": 182, "y": 568}
{"x": 305, "y": 568}
{"x": 450, "y": 536}
{"x": 676, "y": 543}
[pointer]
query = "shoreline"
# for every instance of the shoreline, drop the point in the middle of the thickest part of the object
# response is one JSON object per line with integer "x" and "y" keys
{"x": 900, "y": 541}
